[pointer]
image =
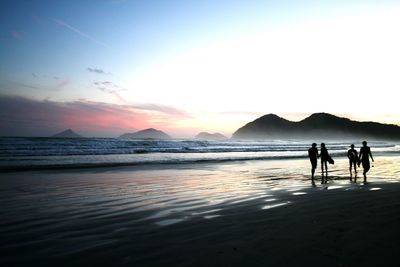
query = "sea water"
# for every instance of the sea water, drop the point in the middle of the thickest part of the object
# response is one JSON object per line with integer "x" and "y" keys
{"x": 27, "y": 153}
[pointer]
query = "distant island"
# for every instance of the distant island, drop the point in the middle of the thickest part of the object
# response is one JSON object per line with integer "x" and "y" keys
{"x": 210, "y": 136}
{"x": 317, "y": 126}
{"x": 67, "y": 134}
{"x": 149, "y": 133}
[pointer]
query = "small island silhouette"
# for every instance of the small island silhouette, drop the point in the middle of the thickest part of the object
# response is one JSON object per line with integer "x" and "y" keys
{"x": 67, "y": 134}
{"x": 149, "y": 133}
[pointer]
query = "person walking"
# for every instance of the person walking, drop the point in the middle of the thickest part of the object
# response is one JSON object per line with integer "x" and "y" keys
{"x": 313, "y": 155}
{"x": 365, "y": 154}
{"x": 325, "y": 158}
{"x": 353, "y": 160}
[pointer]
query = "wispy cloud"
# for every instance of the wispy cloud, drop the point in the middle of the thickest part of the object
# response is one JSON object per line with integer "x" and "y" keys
{"x": 96, "y": 70}
{"x": 60, "y": 85}
{"x": 81, "y": 33}
{"x": 20, "y": 84}
{"x": 44, "y": 82}
{"x": 46, "y": 77}
{"x": 163, "y": 109}
{"x": 110, "y": 88}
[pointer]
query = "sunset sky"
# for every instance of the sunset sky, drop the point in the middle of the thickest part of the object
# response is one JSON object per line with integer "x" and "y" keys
{"x": 107, "y": 67}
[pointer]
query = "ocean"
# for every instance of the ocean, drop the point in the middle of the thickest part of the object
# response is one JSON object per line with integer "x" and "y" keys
{"x": 41, "y": 153}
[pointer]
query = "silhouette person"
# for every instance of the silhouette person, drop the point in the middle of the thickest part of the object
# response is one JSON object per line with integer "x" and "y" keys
{"x": 324, "y": 161}
{"x": 353, "y": 159}
{"x": 313, "y": 155}
{"x": 365, "y": 153}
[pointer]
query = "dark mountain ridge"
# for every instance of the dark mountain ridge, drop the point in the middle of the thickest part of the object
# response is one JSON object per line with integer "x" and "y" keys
{"x": 317, "y": 125}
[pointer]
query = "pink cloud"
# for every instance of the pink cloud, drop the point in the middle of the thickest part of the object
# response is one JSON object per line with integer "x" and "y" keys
{"x": 26, "y": 117}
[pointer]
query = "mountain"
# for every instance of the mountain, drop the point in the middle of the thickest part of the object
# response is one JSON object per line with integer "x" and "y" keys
{"x": 210, "y": 136}
{"x": 318, "y": 125}
{"x": 67, "y": 134}
{"x": 147, "y": 134}
{"x": 266, "y": 127}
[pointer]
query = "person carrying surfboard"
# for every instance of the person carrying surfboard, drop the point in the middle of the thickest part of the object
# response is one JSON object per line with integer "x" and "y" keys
{"x": 325, "y": 158}
{"x": 353, "y": 159}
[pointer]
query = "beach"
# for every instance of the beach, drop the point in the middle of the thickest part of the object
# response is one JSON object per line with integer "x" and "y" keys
{"x": 239, "y": 213}
{"x": 199, "y": 133}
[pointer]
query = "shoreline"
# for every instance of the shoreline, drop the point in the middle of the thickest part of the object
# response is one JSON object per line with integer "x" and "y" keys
{"x": 132, "y": 166}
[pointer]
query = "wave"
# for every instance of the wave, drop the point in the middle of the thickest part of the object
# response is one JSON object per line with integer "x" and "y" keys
{"x": 30, "y": 147}
{"x": 100, "y": 164}
{"x": 49, "y": 153}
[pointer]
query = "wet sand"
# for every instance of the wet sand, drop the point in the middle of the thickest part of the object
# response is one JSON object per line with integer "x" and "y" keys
{"x": 120, "y": 218}
{"x": 355, "y": 227}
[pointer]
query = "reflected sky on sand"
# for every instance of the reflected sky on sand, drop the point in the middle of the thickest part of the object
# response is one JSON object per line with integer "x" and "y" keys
{"x": 375, "y": 189}
{"x": 169, "y": 195}
{"x": 266, "y": 207}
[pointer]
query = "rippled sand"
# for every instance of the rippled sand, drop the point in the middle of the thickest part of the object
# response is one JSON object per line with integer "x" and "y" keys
{"x": 236, "y": 214}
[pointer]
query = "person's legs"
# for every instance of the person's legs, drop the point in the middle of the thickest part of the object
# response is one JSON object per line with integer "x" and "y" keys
{"x": 366, "y": 169}
{"x": 324, "y": 167}
{"x": 313, "y": 167}
{"x": 350, "y": 166}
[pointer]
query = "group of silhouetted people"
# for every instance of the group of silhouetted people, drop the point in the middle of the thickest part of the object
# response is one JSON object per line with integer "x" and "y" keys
{"x": 355, "y": 159}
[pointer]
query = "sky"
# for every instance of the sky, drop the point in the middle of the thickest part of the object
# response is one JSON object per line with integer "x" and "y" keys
{"x": 107, "y": 67}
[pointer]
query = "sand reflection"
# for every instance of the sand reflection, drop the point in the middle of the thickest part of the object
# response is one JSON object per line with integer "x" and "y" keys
{"x": 266, "y": 207}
